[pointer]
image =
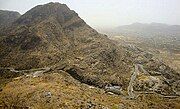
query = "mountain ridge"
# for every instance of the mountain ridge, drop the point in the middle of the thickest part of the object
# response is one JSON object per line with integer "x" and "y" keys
{"x": 64, "y": 61}
{"x": 151, "y": 27}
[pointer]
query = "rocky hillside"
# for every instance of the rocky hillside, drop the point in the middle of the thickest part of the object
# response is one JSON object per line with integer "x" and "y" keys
{"x": 7, "y": 17}
{"x": 52, "y": 51}
{"x": 53, "y": 35}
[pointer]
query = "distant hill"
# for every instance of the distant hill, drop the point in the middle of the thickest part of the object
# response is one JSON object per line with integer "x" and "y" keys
{"x": 7, "y": 17}
{"x": 149, "y": 30}
{"x": 158, "y": 35}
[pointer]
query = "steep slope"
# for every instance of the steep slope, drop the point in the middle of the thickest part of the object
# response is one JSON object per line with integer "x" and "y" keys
{"x": 53, "y": 35}
{"x": 7, "y": 17}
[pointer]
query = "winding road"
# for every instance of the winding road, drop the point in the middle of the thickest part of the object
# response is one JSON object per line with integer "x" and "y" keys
{"x": 31, "y": 72}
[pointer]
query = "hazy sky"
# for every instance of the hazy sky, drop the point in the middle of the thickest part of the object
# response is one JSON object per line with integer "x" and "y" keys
{"x": 110, "y": 13}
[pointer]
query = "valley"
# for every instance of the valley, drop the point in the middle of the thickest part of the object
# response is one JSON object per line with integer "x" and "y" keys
{"x": 50, "y": 58}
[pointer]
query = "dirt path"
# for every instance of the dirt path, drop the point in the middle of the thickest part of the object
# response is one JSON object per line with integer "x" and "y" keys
{"x": 31, "y": 72}
{"x": 133, "y": 77}
{"x": 141, "y": 68}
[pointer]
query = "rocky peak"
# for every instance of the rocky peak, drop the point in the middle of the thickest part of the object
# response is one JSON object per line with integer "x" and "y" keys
{"x": 57, "y": 11}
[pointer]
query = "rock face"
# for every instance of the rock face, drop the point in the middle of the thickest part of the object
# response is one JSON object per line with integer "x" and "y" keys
{"x": 54, "y": 35}
{"x": 7, "y": 17}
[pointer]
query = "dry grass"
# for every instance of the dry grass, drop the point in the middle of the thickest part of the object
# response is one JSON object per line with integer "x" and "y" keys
{"x": 68, "y": 93}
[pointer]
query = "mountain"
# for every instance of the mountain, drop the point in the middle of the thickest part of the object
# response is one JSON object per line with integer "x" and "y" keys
{"x": 150, "y": 30}
{"x": 7, "y": 17}
{"x": 54, "y": 35}
{"x": 50, "y": 58}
